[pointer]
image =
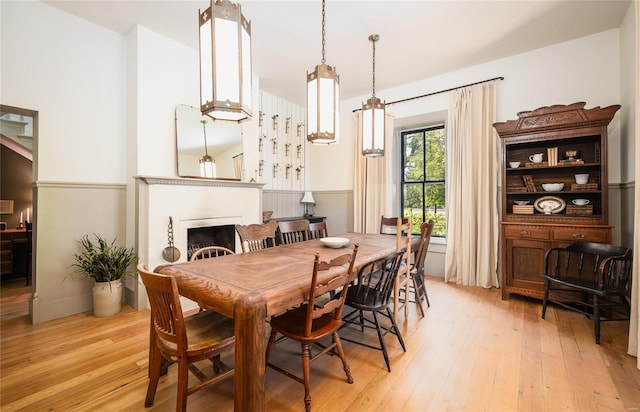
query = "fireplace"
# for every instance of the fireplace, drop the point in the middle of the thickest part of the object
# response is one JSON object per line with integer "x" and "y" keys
{"x": 199, "y": 237}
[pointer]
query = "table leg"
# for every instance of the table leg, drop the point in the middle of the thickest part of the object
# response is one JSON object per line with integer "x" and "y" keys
{"x": 250, "y": 315}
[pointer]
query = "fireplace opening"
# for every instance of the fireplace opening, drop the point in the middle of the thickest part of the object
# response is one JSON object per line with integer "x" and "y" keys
{"x": 199, "y": 237}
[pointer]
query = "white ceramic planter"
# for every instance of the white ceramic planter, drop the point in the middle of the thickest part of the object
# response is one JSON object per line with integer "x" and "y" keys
{"x": 107, "y": 298}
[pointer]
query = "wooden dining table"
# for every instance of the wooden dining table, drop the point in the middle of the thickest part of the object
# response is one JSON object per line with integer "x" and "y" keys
{"x": 251, "y": 287}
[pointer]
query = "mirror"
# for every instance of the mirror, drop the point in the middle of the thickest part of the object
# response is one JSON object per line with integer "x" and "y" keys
{"x": 224, "y": 144}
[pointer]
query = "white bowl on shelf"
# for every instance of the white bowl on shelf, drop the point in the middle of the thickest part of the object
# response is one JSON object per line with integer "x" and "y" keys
{"x": 334, "y": 242}
{"x": 552, "y": 187}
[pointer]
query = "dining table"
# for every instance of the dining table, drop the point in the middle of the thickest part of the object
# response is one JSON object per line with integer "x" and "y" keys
{"x": 251, "y": 287}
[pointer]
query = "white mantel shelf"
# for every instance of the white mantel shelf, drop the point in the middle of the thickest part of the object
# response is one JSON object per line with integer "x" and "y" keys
{"x": 185, "y": 181}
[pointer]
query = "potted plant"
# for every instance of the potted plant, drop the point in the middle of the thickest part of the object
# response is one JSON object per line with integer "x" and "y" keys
{"x": 106, "y": 263}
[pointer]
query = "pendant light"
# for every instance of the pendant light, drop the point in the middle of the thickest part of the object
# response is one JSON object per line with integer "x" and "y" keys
{"x": 207, "y": 164}
{"x": 225, "y": 62}
{"x": 323, "y": 100}
{"x": 373, "y": 117}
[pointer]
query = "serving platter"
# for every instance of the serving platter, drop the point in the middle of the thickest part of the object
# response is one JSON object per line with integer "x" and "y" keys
{"x": 557, "y": 204}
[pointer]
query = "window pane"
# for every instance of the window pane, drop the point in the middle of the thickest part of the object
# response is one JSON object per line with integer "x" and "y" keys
{"x": 413, "y": 157}
{"x": 435, "y": 208}
{"x": 434, "y": 151}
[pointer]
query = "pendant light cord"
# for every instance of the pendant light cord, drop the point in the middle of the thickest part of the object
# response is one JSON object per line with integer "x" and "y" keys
{"x": 373, "y": 38}
{"x": 204, "y": 127}
{"x": 323, "y": 33}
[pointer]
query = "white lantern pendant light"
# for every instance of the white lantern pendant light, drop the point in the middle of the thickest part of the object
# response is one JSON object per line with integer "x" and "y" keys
{"x": 225, "y": 62}
{"x": 207, "y": 164}
{"x": 373, "y": 117}
{"x": 323, "y": 100}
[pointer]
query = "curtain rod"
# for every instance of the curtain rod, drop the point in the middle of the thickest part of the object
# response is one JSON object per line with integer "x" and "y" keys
{"x": 441, "y": 91}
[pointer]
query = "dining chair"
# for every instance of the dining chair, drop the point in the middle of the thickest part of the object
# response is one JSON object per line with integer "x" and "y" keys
{"x": 371, "y": 293}
{"x": 318, "y": 230}
{"x": 185, "y": 341}
{"x": 257, "y": 236}
{"x": 316, "y": 318}
{"x": 589, "y": 278}
{"x": 417, "y": 284}
{"x": 293, "y": 231}
{"x": 210, "y": 252}
{"x": 399, "y": 226}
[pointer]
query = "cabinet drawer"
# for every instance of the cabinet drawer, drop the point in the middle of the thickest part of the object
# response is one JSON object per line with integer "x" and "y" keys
{"x": 578, "y": 233}
{"x": 527, "y": 233}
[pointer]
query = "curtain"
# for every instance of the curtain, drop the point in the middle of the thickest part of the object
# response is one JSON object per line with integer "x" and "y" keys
{"x": 472, "y": 188}
{"x": 634, "y": 329}
{"x": 238, "y": 163}
{"x": 372, "y": 178}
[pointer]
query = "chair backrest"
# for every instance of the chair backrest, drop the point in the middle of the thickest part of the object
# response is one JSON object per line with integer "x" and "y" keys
{"x": 329, "y": 283}
{"x": 210, "y": 252}
{"x": 257, "y": 236}
{"x": 421, "y": 253}
{"x": 375, "y": 282}
{"x": 294, "y": 231}
{"x": 318, "y": 230}
{"x": 592, "y": 265}
{"x": 389, "y": 225}
{"x": 166, "y": 311}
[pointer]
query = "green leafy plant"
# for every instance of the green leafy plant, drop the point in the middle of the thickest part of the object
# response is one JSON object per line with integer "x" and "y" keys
{"x": 103, "y": 260}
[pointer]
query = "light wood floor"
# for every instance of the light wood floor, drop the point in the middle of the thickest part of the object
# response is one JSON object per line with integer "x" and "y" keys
{"x": 472, "y": 352}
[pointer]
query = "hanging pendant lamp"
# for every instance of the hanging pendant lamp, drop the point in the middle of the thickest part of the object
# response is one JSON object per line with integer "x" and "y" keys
{"x": 373, "y": 117}
{"x": 207, "y": 164}
{"x": 323, "y": 100}
{"x": 225, "y": 62}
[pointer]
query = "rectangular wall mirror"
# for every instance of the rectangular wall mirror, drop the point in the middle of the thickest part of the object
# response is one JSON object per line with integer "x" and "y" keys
{"x": 224, "y": 144}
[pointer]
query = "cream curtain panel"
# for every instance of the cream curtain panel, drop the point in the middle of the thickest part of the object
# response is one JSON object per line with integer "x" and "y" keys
{"x": 634, "y": 328}
{"x": 472, "y": 187}
{"x": 238, "y": 162}
{"x": 371, "y": 178}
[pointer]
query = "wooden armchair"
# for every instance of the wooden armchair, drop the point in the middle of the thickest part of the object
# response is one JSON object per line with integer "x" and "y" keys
{"x": 398, "y": 226}
{"x": 316, "y": 319}
{"x": 318, "y": 230}
{"x": 184, "y": 341}
{"x": 590, "y": 278}
{"x": 210, "y": 252}
{"x": 257, "y": 236}
{"x": 293, "y": 231}
{"x": 417, "y": 269}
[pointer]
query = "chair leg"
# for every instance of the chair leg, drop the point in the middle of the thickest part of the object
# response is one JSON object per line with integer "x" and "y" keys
{"x": 545, "y": 298}
{"x": 305, "y": 374}
{"x": 183, "y": 382}
{"x": 596, "y": 317}
{"x": 345, "y": 365}
{"x": 397, "y": 331}
{"x": 381, "y": 338}
{"x": 155, "y": 363}
{"x": 418, "y": 295}
{"x": 272, "y": 342}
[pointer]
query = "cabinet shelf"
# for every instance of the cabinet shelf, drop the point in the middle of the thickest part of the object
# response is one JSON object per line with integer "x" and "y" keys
{"x": 525, "y": 237}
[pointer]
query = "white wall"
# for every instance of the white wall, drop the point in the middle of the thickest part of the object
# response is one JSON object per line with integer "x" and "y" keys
{"x": 73, "y": 73}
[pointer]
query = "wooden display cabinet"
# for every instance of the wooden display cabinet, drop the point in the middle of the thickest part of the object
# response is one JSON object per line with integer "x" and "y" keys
{"x": 572, "y": 140}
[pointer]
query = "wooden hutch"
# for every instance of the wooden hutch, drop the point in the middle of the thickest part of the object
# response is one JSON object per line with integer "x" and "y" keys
{"x": 572, "y": 140}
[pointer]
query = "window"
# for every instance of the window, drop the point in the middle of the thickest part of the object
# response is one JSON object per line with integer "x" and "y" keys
{"x": 423, "y": 177}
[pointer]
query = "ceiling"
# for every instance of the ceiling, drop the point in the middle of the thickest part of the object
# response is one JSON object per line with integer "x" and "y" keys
{"x": 418, "y": 39}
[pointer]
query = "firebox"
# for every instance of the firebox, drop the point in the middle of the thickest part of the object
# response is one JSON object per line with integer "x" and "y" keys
{"x": 199, "y": 237}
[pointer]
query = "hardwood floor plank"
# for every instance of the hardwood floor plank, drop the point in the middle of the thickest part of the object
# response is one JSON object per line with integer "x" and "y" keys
{"x": 471, "y": 352}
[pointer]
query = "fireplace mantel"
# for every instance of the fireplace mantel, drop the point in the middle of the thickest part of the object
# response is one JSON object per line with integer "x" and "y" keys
{"x": 192, "y": 181}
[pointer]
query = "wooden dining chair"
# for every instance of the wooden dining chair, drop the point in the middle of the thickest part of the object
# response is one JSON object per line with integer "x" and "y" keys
{"x": 400, "y": 227}
{"x": 418, "y": 286}
{"x": 209, "y": 252}
{"x": 316, "y": 319}
{"x": 257, "y": 236}
{"x": 176, "y": 339}
{"x": 371, "y": 293}
{"x": 318, "y": 230}
{"x": 293, "y": 231}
